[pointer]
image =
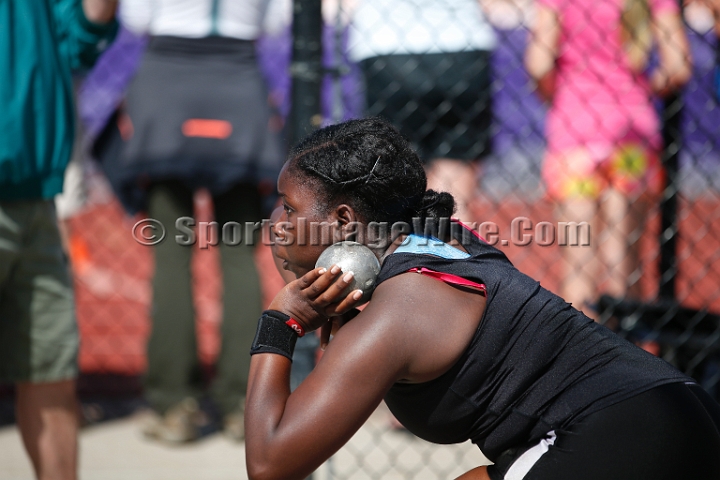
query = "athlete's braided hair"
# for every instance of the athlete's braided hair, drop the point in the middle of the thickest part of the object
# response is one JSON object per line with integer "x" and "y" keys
{"x": 370, "y": 166}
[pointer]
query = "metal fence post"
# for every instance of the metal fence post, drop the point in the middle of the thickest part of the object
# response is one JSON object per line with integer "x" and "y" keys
{"x": 305, "y": 69}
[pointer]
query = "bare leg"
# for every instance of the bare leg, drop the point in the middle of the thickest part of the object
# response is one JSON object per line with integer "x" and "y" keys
{"x": 458, "y": 178}
{"x": 47, "y": 416}
{"x": 620, "y": 252}
{"x": 579, "y": 284}
{"x": 620, "y": 249}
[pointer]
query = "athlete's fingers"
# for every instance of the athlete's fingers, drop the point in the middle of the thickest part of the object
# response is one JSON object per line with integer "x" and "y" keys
{"x": 308, "y": 279}
{"x": 322, "y": 283}
{"x": 335, "y": 292}
{"x": 308, "y": 282}
{"x": 330, "y": 329}
{"x": 325, "y": 332}
{"x": 336, "y": 310}
{"x": 346, "y": 304}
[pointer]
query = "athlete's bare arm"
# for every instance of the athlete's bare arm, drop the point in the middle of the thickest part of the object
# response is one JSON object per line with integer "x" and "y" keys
{"x": 479, "y": 473}
{"x": 542, "y": 50}
{"x": 405, "y": 333}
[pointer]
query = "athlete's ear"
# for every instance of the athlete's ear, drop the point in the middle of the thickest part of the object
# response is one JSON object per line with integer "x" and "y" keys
{"x": 347, "y": 222}
{"x": 344, "y": 215}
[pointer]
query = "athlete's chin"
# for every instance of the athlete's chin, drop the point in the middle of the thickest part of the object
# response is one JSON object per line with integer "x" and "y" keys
{"x": 294, "y": 269}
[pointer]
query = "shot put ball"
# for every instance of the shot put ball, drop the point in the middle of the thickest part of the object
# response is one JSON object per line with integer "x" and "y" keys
{"x": 353, "y": 257}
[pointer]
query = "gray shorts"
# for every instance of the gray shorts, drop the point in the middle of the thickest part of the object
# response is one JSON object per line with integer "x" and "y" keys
{"x": 38, "y": 331}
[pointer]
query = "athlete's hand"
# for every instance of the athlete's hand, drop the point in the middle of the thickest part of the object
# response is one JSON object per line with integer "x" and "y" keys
{"x": 334, "y": 324}
{"x": 317, "y": 296}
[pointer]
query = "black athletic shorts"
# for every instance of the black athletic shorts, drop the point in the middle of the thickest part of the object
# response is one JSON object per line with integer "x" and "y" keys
{"x": 670, "y": 432}
{"x": 441, "y": 102}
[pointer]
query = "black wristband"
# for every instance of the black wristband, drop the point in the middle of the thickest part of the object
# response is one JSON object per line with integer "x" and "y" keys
{"x": 274, "y": 335}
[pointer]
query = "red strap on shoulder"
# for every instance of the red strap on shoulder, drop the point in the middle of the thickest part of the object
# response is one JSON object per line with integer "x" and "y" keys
{"x": 450, "y": 278}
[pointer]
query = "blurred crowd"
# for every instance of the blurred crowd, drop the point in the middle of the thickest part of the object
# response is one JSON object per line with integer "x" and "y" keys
{"x": 177, "y": 108}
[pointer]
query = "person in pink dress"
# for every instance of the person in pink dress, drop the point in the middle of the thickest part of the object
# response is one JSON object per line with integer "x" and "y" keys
{"x": 602, "y": 165}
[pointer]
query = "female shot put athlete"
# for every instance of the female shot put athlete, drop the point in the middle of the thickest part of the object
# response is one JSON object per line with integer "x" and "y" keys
{"x": 459, "y": 343}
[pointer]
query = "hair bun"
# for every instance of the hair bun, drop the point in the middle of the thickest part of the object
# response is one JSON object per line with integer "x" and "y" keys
{"x": 436, "y": 205}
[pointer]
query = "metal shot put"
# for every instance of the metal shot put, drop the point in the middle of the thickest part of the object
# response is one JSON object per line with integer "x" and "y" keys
{"x": 356, "y": 258}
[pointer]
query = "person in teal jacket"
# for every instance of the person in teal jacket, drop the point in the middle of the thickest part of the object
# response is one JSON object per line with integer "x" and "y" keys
{"x": 41, "y": 43}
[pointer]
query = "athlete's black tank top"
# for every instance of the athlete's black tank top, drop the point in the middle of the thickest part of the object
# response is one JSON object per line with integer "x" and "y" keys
{"x": 535, "y": 364}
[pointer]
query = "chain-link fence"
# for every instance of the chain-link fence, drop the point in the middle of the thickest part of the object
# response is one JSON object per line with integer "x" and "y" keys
{"x": 455, "y": 77}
